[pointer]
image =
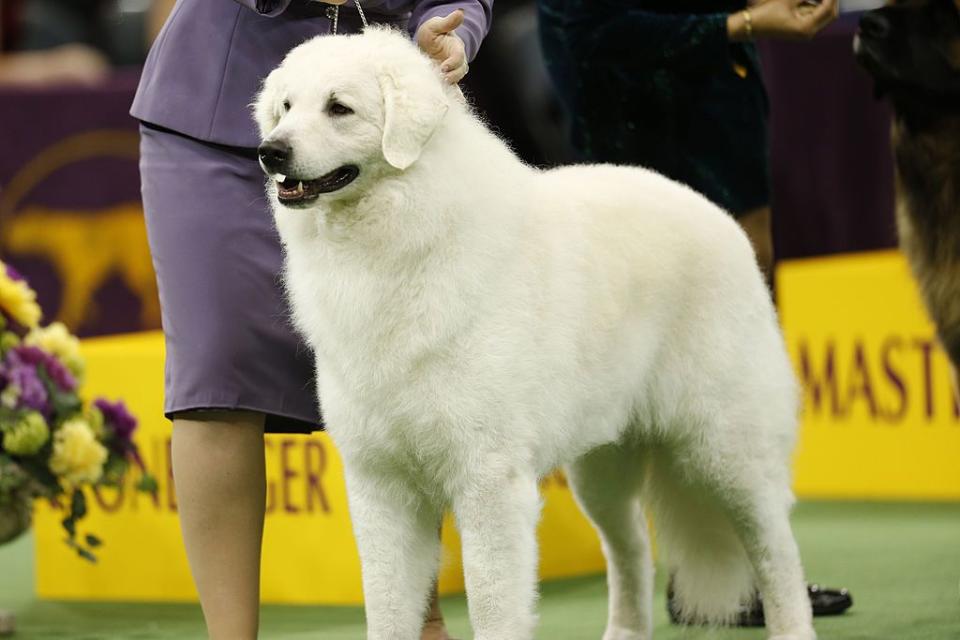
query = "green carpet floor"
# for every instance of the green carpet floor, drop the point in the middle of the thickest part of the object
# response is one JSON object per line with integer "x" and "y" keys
{"x": 901, "y": 562}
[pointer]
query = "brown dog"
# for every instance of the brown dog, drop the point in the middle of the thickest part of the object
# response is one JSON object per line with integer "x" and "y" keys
{"x": 912, "y": 49}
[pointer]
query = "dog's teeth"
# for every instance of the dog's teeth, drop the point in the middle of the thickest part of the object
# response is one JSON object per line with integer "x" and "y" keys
{"x": 279, "y": 177}
{"x": 300, "y": 188}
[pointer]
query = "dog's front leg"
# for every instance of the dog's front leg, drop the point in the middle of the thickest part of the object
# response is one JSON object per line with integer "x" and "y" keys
{"x": 396, "y": 532}
{"x": 497, "y": 515}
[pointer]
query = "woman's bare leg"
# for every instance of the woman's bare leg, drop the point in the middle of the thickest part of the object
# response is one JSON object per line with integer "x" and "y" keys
{"x": 218, "y": 465}
{"x": 434, "y": 628}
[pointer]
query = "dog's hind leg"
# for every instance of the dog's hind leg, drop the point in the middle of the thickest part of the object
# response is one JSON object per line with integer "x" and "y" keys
{"x": 497, "y": 514}
{"x": 764, "y": 526}
{"x": 396, "y": 532}
{"x": 756, "y": 498}
{"x": 606, "y": 483}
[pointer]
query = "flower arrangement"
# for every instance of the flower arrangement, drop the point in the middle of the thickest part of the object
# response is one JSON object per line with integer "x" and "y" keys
{"x": 53, "y": 444}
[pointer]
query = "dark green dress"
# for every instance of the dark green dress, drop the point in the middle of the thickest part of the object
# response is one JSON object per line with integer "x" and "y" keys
{"x": 656, "y": 83}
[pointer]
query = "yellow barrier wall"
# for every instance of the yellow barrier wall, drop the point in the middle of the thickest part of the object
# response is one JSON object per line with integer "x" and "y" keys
{"x": 309, "y": 554}
{"x": 880, "y": 417}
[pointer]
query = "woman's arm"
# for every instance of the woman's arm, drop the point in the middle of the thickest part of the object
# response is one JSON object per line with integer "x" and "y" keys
{"x": 783, "y": 19}
{"x": 644, "y": 38}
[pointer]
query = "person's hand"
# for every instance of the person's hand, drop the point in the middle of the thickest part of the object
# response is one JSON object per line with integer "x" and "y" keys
{"x": 436, "y": 37}
{"x": 785, "y": 19}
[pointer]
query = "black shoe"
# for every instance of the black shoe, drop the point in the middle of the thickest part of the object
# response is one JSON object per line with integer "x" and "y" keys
{"x": 825, "y": 602}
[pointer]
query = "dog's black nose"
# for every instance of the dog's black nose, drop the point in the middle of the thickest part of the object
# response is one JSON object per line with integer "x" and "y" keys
{"x": 274, "y": 155}
{"x": 874, "y": 24}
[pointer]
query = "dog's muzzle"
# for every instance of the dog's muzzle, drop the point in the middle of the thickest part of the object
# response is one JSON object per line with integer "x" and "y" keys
{"x": 294, "y": 191}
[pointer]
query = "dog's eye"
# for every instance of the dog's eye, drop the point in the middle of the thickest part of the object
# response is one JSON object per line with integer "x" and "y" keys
{"x": 286, "y": 106}
{"x": 339, "y": 109}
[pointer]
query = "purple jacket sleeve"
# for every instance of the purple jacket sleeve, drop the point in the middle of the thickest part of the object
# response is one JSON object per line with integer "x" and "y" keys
{"x": 269, "y": 8}
{"x": 476, "y": 19}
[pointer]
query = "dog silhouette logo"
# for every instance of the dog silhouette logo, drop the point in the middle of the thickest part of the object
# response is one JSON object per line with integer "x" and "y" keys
{"x": 86, "y": 247}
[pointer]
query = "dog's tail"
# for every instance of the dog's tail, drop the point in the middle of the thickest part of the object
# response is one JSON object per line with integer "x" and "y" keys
{"x": 711, "y": 575}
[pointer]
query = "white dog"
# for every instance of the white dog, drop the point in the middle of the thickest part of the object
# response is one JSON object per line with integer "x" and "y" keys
{"x": 477, "y": 322}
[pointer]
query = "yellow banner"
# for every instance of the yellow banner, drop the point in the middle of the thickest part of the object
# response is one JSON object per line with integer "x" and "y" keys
{"x": 880, "y": 417}
{"x": 309, "y": 555}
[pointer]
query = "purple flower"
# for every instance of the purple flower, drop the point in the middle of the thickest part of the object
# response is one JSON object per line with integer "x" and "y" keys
{"x": 122, "y": 424}
{"x": 13, "y": 274}
{"x": 36, "y": 356}
{"x": 33, "y": 395}
{"x": 118, "y": 417}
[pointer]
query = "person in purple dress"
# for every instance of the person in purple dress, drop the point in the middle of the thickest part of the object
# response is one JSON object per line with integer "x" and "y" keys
{"x": 235, "y": 368}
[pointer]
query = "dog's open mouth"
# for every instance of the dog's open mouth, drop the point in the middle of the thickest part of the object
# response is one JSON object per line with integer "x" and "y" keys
{"x": 292, "y": 190}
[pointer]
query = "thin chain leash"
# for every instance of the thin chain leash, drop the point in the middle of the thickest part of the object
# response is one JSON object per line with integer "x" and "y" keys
{"x": 333, "y": 13}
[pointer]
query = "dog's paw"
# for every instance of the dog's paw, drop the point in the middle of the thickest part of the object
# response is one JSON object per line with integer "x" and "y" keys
{"x": 619, "y": 633}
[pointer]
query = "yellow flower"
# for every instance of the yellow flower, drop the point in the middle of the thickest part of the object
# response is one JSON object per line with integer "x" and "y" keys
{"x": 19, "y": 301}
{"x": 8, "y": 340}
{"x": 57, "y": 340}
{"x": 9, "y": 396}
{"x": 77, "y": 456}
{"x": 27, "y": 436}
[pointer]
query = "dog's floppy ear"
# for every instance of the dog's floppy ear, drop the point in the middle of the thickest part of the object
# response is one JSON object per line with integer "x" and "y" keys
{"x": 266, "y": 108}
{"x": 414, "y": 104}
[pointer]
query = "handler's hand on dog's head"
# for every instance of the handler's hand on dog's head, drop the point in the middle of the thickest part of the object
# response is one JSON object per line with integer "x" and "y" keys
{"x": 436, "y": 37}
{"x": 785, "y": 19}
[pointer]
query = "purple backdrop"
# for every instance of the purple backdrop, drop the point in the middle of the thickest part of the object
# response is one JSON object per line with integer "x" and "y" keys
{"x": 830, "y": 148}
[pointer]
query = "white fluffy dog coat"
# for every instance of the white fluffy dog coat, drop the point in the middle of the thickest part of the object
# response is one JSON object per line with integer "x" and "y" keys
{"x": 478, "y": 322}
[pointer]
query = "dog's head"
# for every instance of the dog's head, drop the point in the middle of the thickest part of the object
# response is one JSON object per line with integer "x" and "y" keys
{"x": 912, "y": 50}
{"x": 342, "y": 112}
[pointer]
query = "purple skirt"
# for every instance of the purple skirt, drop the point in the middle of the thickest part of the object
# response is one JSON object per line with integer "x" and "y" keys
{"x": 218, "y": 260}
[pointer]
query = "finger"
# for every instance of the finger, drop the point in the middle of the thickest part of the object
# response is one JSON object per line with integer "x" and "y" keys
{"x": 805, "y": 10}
{"x": 824, "y": 13}
{"x": 455, "y": 61}
{"x": 455, "y": 76}
{"x": 445, "y": 24}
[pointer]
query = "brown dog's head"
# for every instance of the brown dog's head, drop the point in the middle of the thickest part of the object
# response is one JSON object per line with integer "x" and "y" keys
{"x": 912, "y": 50}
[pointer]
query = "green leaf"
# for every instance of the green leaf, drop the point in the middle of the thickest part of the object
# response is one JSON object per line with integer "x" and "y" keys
{"x": 147, "y": 484}
{"x": 64, "y": 403}
{"x": 86, "y": 554}
{"x": 8, "y": 418}
{"x": 70, "y": 524}
{"x": 78, "y": 504}
{"x": 37, "y": 467}
{"x": 93, "y": 540}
